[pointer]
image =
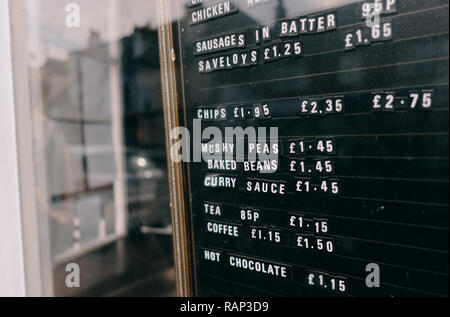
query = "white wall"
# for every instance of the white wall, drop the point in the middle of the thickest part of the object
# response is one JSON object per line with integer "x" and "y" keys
{"x": 12, "y": 281}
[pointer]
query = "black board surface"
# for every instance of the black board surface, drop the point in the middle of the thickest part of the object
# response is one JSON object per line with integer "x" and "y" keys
{"x": 361, "y": 170}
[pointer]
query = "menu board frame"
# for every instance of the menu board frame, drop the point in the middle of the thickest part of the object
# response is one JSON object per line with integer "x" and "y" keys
{"x": 178, "y": 113}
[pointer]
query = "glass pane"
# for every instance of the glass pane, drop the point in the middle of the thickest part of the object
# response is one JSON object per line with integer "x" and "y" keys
{"x": 99, "y": 144}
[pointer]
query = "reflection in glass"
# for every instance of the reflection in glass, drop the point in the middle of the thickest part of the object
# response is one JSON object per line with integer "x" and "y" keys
{"x": 100, "y": 147}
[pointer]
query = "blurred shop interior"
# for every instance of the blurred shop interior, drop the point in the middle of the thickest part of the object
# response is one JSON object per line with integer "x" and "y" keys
{"x": 99, "y": 147}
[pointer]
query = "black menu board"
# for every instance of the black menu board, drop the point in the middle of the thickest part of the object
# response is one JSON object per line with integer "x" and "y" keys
{"x": 351, "y": 187}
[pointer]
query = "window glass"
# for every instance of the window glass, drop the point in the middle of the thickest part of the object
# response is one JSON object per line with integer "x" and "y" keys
{"x": 99, "y": 145}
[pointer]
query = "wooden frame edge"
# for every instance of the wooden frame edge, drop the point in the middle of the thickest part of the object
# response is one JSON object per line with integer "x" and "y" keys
{"x": 181, "y": 242}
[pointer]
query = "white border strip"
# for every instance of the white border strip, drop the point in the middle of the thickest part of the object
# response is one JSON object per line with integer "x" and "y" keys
{"x": 12, "y": 271}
